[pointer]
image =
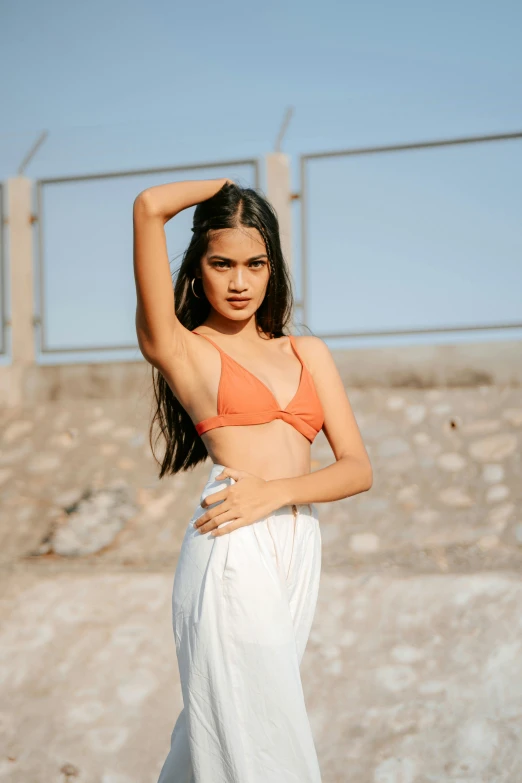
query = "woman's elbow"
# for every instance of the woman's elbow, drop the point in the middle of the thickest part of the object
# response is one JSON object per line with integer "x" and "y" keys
{"x": 367, "y": 475}
{"x": 144, "y": 204}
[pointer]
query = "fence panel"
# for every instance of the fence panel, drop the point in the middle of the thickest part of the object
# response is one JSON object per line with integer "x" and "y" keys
{"x": 413, "y": 239}
{"x": 85, "y": 280}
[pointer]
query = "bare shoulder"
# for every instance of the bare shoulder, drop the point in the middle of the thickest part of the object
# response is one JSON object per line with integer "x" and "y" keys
{"x": 314, "y": 351}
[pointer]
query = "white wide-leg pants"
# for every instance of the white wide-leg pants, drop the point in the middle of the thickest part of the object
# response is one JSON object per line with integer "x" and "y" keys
{"x": 243, "y": 605}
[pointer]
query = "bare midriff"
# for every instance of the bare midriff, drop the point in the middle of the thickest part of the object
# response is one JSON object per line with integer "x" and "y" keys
{"x": 273, "y": 450}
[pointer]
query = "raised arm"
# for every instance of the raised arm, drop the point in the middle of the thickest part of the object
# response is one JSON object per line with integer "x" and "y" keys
{"x": 157, "y": 326}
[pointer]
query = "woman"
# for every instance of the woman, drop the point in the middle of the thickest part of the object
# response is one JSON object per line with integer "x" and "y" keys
{"x": 247, "y": 578}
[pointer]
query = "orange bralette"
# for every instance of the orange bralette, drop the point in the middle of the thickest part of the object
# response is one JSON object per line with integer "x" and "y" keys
{"x": 244, "y": 399}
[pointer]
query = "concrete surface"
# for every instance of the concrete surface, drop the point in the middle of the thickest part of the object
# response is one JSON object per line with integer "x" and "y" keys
{"x": 413, "y": 672}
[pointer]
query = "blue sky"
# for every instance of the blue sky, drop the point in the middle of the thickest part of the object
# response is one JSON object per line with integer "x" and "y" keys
{"x": 424, "y": 238}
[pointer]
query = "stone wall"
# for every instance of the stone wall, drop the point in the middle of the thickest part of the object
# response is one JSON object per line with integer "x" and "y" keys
{"x": 413, "y": 671}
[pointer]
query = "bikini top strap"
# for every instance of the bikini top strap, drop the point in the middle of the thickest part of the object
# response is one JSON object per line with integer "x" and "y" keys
{"x": 294, "y": 346}
{"x": 221, "y": 351}
{"x": 306, "y": 371}
{"x": 225, "y": 355}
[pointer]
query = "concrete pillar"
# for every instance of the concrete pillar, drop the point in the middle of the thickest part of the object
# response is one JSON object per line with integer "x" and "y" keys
{"x": 20, "y": 271}
{"x": 19, "y": 192}
{"x": 279, "y": 193}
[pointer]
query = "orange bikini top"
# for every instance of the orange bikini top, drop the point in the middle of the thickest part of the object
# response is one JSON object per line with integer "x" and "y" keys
{"x": 244, "y": 399}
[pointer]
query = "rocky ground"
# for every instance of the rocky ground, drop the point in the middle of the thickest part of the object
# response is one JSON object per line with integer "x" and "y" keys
{"x": 413, "y": 672}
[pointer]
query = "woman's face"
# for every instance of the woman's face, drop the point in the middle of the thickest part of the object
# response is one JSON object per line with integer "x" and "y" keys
{"x": 235, "y": 267}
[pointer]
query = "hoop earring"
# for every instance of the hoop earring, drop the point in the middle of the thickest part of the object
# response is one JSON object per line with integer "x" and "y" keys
{"x": 192, "y": 286}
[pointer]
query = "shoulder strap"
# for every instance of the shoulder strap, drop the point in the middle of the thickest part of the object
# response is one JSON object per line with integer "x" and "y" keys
{"x": 306, "y": 371}
{"x": 221, "y": 351}
{"x": 294, "y": 346}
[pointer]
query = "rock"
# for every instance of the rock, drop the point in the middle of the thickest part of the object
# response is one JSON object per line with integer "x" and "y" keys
{"x": 126, "y": 463}
{"x": 451, "y": 461}
{"x": 409, "y": 495}
{"x": 488, "y": 542}
{"x": 16, "y": 430}
{"x": 497, "y": 493}
{"x": 441, "y": 409}
{"x": 495, "y": 448}
{"x": 43, "y": 463}
{"x": 395, "y": 403}
{"x": 425, "y": 516}
{"x": 65, "y": 439}
{"x": 500, "y": 515}
{"x": 16, "y": 454}
{"x": 455, "y": 497}
{"x": 492, "y": 473}
{"x": 514, "y": 416}
{"x": 433, "y": 394}
{"x": 415, "y": 413}
{"x": 5, "y": 473}
{"x": 99, "y": 427}
{"x": 124, "y": 433}
{"x": 157, "y": 507}
{"x": 364, "y": 543}
{"x": 93, "y": 522}
{"x": 108, "y": 449}
{"x": 482, "y": 426}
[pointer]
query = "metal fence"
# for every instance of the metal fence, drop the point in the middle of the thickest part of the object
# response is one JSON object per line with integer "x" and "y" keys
{"x": 41, "y": 185}
{"x": 304, "y": 197}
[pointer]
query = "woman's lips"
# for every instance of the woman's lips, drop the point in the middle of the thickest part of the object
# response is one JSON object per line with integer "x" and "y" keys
{"x": 238, "y": 302}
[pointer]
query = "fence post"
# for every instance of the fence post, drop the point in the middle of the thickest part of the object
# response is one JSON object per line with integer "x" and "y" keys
{"x": 279, "y": 193}
{"x": 20, "y": 270}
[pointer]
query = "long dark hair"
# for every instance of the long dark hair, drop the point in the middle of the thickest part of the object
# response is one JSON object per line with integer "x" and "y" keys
{"x": 231, "y": 207}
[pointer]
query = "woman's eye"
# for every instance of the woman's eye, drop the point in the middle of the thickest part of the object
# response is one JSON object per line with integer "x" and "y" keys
{"x": 223, "y": 264}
